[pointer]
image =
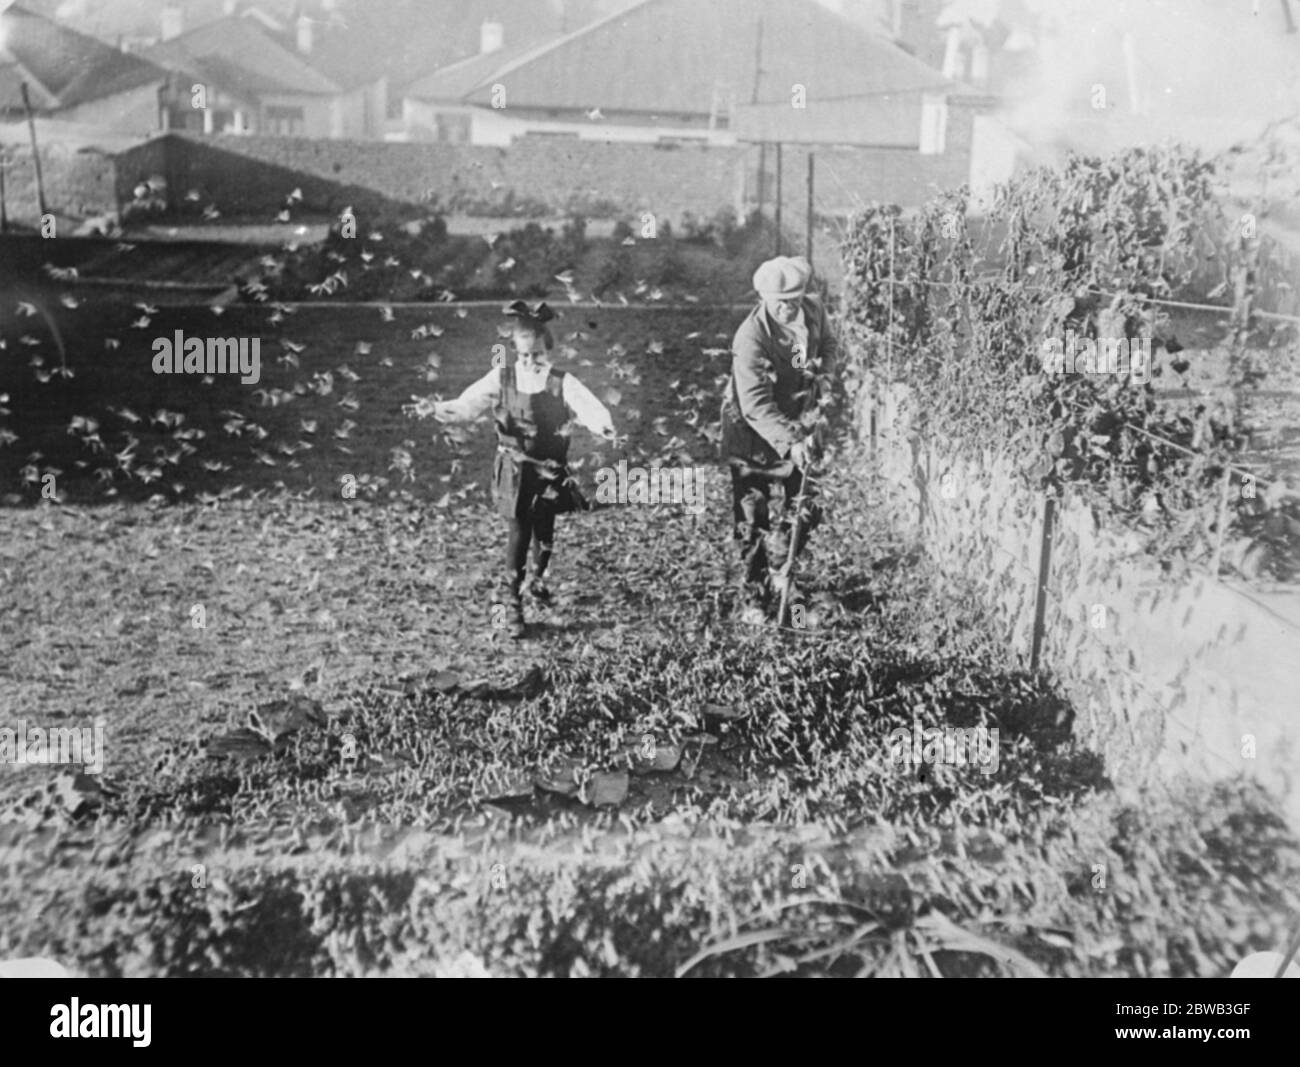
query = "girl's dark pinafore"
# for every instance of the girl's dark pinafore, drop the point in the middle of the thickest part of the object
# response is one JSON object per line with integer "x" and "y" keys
{"x": 530, "y": 423}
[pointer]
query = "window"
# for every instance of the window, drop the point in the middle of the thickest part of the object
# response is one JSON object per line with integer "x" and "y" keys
{"x": 452, "y": 129}
{"x": 184, "y": 118}
{"x": 285, "y": 121}
{"x": 934, "y": 125}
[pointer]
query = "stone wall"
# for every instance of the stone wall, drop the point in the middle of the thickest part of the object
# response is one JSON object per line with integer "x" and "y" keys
{"x": 251, "y": 175}
{"x": 77, "y": 183}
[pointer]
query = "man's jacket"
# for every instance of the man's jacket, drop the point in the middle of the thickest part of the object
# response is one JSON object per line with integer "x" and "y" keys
{"x": 768, "y": 395}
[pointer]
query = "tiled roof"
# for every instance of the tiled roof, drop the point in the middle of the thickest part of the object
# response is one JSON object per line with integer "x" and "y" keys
{"x": 62, "y": 67}
{"x": 671, "y": 57}
{"x": 457, "y": 80}
{"x": 406, "y": 40}
{"x": 239, "y": 49}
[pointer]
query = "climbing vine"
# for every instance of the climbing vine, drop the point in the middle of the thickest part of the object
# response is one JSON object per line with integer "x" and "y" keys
{"x": 961, "y": 310}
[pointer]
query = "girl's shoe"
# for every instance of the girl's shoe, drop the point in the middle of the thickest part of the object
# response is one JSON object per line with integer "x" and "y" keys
{"x": 515, "y": 625}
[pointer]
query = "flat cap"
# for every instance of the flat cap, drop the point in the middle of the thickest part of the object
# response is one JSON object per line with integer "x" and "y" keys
{"x": 782, "y": 278}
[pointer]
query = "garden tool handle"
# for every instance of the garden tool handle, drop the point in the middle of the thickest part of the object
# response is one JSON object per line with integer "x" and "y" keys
{"x": 783, "y": 613}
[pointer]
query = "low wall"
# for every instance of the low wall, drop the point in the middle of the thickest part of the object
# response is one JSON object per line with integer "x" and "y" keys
{"x": 1167, "y": 676}
{"x": 252, "y": 175}
{"x": 77, "y": 183}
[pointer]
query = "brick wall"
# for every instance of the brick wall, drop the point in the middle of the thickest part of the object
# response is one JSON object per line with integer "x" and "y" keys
{"x": 77, "y": 184}
{"x": 251, "y": 175}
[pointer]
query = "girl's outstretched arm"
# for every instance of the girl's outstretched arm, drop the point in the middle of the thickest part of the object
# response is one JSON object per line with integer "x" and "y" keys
{"x": 587, "y": 409}
{"x": 476, "y": 400}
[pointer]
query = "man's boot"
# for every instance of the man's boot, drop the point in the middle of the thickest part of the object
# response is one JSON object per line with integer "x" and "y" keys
{"x": 753, "y": 603}
{"x": 508, "y": 605}
{"x": 537, "y": 587}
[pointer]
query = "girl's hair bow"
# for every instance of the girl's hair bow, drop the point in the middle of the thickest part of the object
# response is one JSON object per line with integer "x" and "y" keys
{"x": 538, "y": 313}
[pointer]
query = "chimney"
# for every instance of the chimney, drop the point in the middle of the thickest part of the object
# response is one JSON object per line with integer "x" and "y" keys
{"x": 171, "y": 22}
{"x": 304, "y": 34}
{"x": 491, "y": 36}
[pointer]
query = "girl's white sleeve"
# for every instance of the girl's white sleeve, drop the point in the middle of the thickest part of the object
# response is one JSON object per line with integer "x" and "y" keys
{"x": 478, "y": 398}
{"x": 586, "y": 408}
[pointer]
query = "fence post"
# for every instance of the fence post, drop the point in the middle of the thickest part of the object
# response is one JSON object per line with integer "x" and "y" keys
{"x": 1222, "y": 523}
{"x": 1044, "y": 569}
{"x": 36, "y": 153}
{"x": 778, "y": 199}
{"x": 811, "y": 222}
{"x": 889, "y": 332}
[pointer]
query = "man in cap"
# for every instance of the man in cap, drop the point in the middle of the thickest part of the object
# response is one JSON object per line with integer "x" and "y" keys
{"x": 782, "y": 358}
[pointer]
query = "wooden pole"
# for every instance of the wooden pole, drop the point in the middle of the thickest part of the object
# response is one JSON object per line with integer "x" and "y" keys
{"x": 889, "y": 283}
{"x": 1222, "y": 524}
{"x": 778, "y": 199}
{"x": 4, "y": 213}
{"x": 811, "y": 222}
{"x": 1044, "y": 568}
{"x": 36, "y": 155}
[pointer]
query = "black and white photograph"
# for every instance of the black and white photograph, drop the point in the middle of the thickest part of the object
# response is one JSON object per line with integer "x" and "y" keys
{"x": 651, "y": 488}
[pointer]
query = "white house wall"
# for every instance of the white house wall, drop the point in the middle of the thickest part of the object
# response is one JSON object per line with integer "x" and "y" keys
{"x": 498, "y": 128}
{"x": 136, "y": 111}
{"x": 995, "y": 151}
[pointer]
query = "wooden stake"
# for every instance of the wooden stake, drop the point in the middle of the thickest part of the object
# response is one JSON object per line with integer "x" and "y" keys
{"x": 1222, "y": 523}
{"x": 811, "y": 220}
{"x": 778, "y": 199}
{"x": 1044, "y": 568}
{"x": 36, "y": 155}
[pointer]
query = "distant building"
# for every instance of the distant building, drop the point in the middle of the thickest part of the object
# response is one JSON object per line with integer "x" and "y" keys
{"x": 680, "y": 70}
{"x": 73, "y": 77}
{"x": 249, "y": 81}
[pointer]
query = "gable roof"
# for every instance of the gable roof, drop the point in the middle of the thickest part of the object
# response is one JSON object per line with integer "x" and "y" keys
{"x": 360, "y": 41}
{"x": 240, "y": 56}
{"x": 670, "y": 56}
{"x": 62, "y": 68}
{"x": 358, "y": 44}
{"x": 457, "y": 80}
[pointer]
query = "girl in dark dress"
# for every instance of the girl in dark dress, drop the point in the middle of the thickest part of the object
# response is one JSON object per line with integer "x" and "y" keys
{"x": 532, "y": 403}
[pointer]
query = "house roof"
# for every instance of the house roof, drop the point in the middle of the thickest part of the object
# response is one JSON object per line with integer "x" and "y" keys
{"x": 360, "y": 41}
{"x": 62, "y": 68}
{"x": 76, "y": 136}
{"x": 359, "y": 44}
{"x": 673, "y": 56}
{"x": 238, "y": 55}
{"x": 457, "y": 80}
